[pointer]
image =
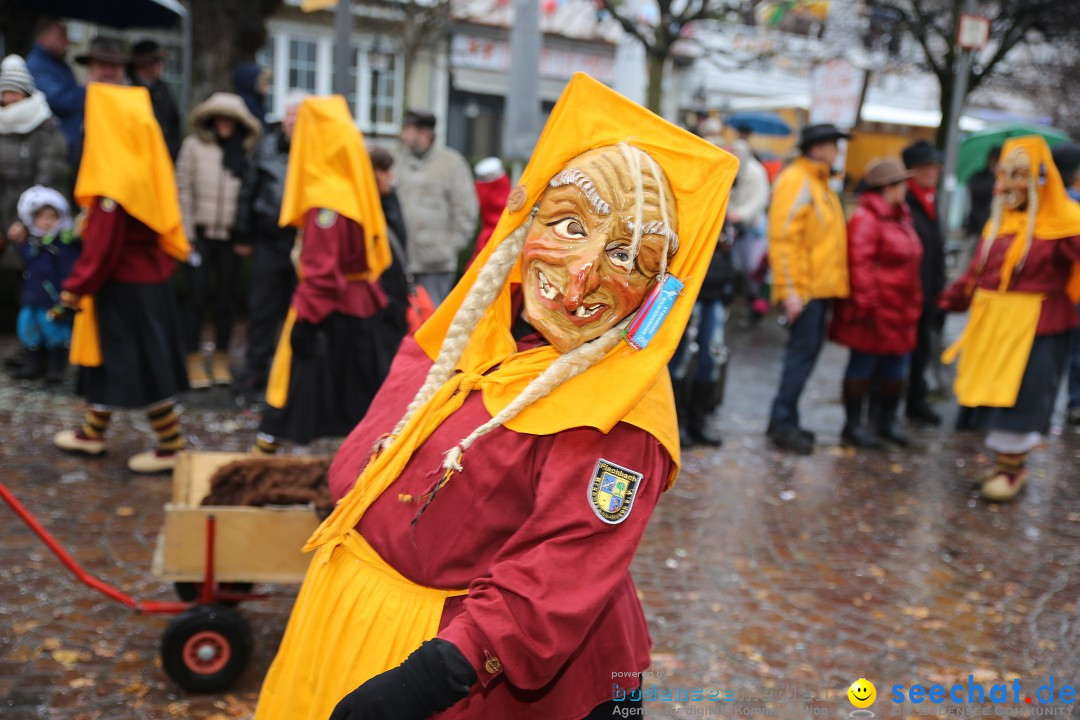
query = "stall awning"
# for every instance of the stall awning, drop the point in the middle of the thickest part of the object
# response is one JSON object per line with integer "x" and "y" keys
{"x": 114, "y": 13}
{"x": 488, "y": 82}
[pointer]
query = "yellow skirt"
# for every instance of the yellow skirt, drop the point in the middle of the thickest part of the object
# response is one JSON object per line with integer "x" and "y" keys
{"x": 354, "y": 618}
{"x": 994, "y": 348}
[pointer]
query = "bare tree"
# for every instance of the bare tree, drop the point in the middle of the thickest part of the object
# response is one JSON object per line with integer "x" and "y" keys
{"x": 659, "y": 37}
{"x": 225, "y": 33}
{"x": 932, "y": 24}
{"x": 417, "y": 25}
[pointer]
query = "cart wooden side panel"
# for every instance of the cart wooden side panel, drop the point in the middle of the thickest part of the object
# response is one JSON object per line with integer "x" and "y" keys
{"x": 252, "y": 545}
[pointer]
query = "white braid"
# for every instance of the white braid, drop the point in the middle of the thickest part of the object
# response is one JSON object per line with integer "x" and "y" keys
{"x": 488, "y": 284}
{"x": 564, "y": 368}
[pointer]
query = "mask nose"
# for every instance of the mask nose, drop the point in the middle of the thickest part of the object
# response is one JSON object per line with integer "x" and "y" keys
{"x": 582, "y": 278}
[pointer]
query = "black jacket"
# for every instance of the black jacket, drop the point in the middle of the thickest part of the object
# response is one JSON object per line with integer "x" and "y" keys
{"x": 261, "y": 193}
{"x": 981, "y": 188}
{"x": 167, "y": 115}
{"x": 932, "y": 272}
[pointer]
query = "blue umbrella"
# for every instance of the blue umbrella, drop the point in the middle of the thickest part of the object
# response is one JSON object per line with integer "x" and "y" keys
{"x": 762, "y": 123}
{"x": 115, "y": 13}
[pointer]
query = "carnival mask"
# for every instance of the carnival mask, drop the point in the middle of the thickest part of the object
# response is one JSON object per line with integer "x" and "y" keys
{"x": 580, "y": 273}
{"x": 1014, "y": 180}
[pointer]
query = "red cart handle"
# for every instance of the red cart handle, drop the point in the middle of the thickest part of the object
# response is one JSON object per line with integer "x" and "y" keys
{"x": 100, "y": 585}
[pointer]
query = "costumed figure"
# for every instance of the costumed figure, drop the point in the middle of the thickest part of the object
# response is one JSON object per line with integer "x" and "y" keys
{"x": 126, "y": 338}
{"x": 1022, "y": 287}
{"x": 332, "y": 355}
{"x": 518, "y": 439}
{"x": 48, "y": 254}
{"x": 879, "y": 319}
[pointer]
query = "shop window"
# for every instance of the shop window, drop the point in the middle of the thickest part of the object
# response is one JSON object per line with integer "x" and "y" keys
{"x": 383, "y": 105}
{"x": 303, "y": 64}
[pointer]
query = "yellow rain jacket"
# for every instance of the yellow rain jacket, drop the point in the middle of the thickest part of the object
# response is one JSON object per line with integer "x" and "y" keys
{"x": 807, "y": 235}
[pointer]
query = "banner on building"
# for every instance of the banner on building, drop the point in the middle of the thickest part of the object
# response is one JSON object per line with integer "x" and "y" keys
{"x": 837, "y": 90}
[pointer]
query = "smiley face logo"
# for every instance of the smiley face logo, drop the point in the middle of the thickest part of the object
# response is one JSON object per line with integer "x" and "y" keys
{"x": 862, "y": 693}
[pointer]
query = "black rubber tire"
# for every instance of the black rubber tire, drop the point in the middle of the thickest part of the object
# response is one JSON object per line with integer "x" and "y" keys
{"x": 189, "y": 591}
{"x": 210, "y": 629}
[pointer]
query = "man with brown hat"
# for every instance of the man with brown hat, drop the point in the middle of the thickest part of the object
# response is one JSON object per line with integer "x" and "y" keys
{"x": 808, "y": 257}
{"x": 147, "y": 67}
{"x": 105, "y": 60}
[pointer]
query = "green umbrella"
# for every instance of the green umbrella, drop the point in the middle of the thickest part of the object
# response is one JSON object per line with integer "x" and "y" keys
{"x": 974, "y": 149}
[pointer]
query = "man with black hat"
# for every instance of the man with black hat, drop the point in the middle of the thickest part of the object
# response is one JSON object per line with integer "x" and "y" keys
{"x": 808, "y": 257}
{"x": 147, "y": 66}
{"x": 924, "y": 162}
{"x": 439, "y": 202}
{"x": 105, "y": 60}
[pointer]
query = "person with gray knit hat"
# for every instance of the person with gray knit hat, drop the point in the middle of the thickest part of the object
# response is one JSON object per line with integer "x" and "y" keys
{"x": 32, "y": 151}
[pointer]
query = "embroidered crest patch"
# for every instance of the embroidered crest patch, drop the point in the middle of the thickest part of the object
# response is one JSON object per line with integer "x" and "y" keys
{"x": 108, "y": 204}
{"x": 325, "y": 218}
{"x": 612, "y": 491}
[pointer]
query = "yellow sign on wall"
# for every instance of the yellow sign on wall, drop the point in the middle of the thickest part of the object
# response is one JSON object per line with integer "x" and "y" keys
{"x": 313, "y": 5}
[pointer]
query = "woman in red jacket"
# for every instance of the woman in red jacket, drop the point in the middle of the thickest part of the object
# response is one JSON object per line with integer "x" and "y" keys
{"x": 879, "y": 320}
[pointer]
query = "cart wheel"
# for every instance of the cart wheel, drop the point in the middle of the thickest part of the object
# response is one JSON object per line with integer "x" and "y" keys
{"x": 206, "y": 647}
{"x": 190, "y": 591}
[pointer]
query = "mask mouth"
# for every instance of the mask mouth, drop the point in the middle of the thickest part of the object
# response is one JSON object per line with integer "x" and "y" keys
{"x": 552, "y": 298}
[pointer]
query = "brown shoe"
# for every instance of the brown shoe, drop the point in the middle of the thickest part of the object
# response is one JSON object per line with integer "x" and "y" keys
{"x": 75, "y": 441}
{"x": 152, "y": 461}
{"x": 197, "y": 376}
{"x": 219, "y": 368}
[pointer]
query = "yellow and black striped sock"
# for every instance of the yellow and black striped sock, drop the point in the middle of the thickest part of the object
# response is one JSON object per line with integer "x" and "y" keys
{"x": 96, "y": 423}
{"x": 166, "y": 425}
{"x": 266, "y": 444}
{"x": 1009, "y": 463}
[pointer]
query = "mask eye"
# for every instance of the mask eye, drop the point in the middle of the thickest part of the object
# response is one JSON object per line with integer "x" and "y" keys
{"x": 620, "y": 256}
{"x": 570, "y": 228}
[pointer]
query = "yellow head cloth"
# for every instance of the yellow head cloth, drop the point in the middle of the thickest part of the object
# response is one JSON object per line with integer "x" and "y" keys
{"x": 1057, "y": 215}
{"x": 125, "y": 159}
{"x": 628, "y": 384}
{"x": 329, "y": 168}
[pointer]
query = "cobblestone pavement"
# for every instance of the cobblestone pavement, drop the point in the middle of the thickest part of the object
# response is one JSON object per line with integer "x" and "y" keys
{"x": 763, "y": 575}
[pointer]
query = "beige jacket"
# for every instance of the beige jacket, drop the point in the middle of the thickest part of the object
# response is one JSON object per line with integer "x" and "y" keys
{"x": 438, "y": 200}
{"x": 208, "y": 191}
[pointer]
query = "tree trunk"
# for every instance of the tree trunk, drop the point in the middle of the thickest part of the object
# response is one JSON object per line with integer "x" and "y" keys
{"x": 225, "y": 33}
{"x": 17, "y": 26}
{"x": 946, "y": 83}
{"x": 655, "y": 94}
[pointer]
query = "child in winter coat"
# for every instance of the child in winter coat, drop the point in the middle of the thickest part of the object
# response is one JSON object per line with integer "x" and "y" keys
{"x": 48, "y": 253}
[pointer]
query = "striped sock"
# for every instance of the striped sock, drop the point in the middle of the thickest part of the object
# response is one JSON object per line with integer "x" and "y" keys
{"x": 96, "y": 423}
{"x": 266, "y": 444}
{"x": 1009, "y": 463}
{"x": 166, "y": 425}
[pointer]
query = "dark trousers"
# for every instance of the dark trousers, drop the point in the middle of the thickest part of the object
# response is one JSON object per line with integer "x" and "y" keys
{"x": 218, "y": 259}
{"x": 1074, "y": 370}
{"x": 920, "y": 360}
{"x": 873, "y": 366}
{"x": 806, "y": 336}
{"x": 273, "y": 280}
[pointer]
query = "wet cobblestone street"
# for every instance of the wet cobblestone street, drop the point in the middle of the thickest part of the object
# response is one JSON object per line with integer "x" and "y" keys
{"x": 761, "y": 572}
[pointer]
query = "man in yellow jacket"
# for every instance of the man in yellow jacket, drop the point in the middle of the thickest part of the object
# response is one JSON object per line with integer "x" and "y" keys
{"x": 808, "y": 257}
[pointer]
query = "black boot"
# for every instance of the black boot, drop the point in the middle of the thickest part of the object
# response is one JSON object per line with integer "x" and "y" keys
{"x": 888, "y": 428}
{"x": 699, "y": 411}
{"x": 56, "y": 364}
{"x": 33, "y": 365}
{"x": 855, "y": 432}
{"x": 919, "y": 410}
